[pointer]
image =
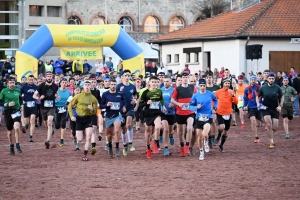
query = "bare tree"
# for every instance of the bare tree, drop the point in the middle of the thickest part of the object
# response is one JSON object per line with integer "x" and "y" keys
{"x": 210, "y": 8}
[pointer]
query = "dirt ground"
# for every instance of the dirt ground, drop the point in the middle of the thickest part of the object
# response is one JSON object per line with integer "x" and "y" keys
{"x": 246, "y": 171}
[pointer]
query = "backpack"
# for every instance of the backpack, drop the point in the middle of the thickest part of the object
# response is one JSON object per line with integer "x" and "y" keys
{"x": 250, "y": 93}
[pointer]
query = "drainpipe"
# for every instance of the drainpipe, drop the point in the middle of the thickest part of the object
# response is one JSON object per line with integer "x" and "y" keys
{"x": 245, "y": 66}
{"x": 139, "y": 16}
{"x": 157, "y": 51}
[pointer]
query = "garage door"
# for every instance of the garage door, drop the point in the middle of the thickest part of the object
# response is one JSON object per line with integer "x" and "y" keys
{"x": 284, "y": 60}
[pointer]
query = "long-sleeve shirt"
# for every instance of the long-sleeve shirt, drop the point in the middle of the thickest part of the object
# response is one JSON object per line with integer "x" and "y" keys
{"x": 81, "y": 101}
{"x": 27, "y": 92}
{"x": 117, "y": 100}
{"x": 205, "y": 100}
{"x": 157, "y": 100}
{"x": 77, "y": 66}
{"x": 225, "y": 101}
{"x": 251, "y": 103}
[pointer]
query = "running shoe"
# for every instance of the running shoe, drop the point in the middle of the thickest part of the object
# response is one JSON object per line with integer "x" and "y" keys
{"x": 110, "y": 152}
{"x": 106, "y": 147}
{"x": 296, "y": 115}
{"x": 19, "y": 150}
{"x": 74, "y": 140}
{"x": 47, "y": 144}
{"x": 155, "y": 148}
{"x": 234, "y": 123}
{"x": 94, "y": 150}
{"x": 100, "y": 137}
{"x": 172, "y": 141}
{"x": 117, "y": 152}
{"x": 23, "y": 129}
{"x": 166, "y": 152}
{"x": 41, "y": 127}
{"x": 30, "y": 139}
{"x": 84, "y": 158}
{"x": 287, "y": 136}
{"x": 131, "y": 147}
{"x": 77, "y": 146}
{"x": 256, "y": 140}
{"x": 221, "y": 149}
{"x": 272, "y": 145}
{"x": 191, "y": 152}
{"x": 206, "y": 147}
{"x": 201, "y": 157}
{"x": 160, "y": 139}
{"x": 243, "y": 126}
{"x": 61, "y": 143}
{"x": 182, "y": 154}
{"x": 266, "y": 127}
{"x": 186, "y": 149}
{"x": 125, "y": 151}
{"x": 138, "y": 130}
{"x": 149, "y": 154}
{"x": 12, "y": 151}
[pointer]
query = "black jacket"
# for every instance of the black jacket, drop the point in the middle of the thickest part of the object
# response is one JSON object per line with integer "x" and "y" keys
{"x": 296, "y": 84}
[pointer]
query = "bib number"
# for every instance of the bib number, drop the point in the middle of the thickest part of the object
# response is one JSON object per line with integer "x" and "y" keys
{"x": 226, "y": 117}
{"x": 263, "y": 107}
{"x": 203, "y": 117}
{"x": 154, "y": 105}
{"x": 61, "y": 109}
{"x": 115, "y": 106}
{"x": 16, "y": 114}
{"x": 30, "y": 104}
{"x": 241, "y": 98}
{"x": 48, "y": 103}
{"x": 186, "y": 106}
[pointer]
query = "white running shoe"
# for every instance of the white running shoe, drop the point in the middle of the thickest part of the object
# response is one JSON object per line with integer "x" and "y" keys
{"x": 206, "y": 146}
{"x": 201, "y": 157}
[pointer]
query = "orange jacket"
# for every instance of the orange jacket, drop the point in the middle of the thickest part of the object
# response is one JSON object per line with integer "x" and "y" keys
{"x": 225, "y": 101}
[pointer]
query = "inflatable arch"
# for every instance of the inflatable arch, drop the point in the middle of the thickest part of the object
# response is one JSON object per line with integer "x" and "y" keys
{"x": 50, "y": 35}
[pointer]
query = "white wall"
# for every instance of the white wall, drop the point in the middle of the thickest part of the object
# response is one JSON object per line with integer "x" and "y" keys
{"x": 178, "y": 49}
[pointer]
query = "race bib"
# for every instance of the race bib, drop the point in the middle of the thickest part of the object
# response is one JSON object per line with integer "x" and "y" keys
{"x": 16, "y": 114}
{"x": 48, "y": 103}
{"x": 226, "y": 117}
{"x": 30, "y": 104}
{"x": 186, "y": 106}
{"x": 241, "y": 98}
{"x": 154, "y": 105}
{"x": 61, "y": 109}
{"x": 263, "y": 107}
{"x": 9, "y": 71}
{"x": 115, "y": 106}
{"x": 203, "y": 117}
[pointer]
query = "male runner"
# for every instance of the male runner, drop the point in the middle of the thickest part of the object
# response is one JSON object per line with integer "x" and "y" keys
{"x": 287, "y": 109}
{"x": 86, "y": 106}
{"x": 46, "y": 92}
{"x": 129, "y": 92}
{"x": 168, "y": 117}
{"x": 270, "y": 107}
{"x": 152, "y": 100}
{"x": 113, "y": 102}
{"x": 241, "y": 86}
{"x": 201, "y": 102}
{"x": 10, "y": 99}
{"x": 181, "y": 97}
{"x": 30, "y": 107}
{"x": 225, "y": 98}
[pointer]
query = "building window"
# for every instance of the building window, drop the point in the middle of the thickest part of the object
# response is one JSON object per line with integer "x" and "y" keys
{"x": 126, "y": 24}
{"x": 151, "y": 25}
{"x": 54, "y": 11}
{"x": 176, "y": 58}
{"x": 74, "y": 20}
{"x": 36, "y": 11}
{"x": 169, "y": 58}
{"x": 98, "y": 21}
{"x": 188, "y": 58}
{"x": 176, "y": 23}
{"x": 196, "y": 57}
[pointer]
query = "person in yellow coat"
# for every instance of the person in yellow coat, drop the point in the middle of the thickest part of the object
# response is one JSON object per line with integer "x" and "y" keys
{"x": 77, "y": 67}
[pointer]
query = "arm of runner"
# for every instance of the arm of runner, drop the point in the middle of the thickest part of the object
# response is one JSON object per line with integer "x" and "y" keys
{"x": 246, "y": 97}
{"x": 71, "y": 105}
{"x": 216, "y": 102}
{"x": 193, "y": 103}
{"x": 103, "y": 102}
{"x": 143, "y": 100}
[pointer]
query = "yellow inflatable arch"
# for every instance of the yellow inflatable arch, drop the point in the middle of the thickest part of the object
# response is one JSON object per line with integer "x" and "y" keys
{"x": 50, "y": 35}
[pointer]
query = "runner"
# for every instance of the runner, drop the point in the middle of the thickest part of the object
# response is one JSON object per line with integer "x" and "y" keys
{"x": 113, "y": 102}
{"x": 139, "y": 118}
{"x": 287, "y": 110}
{"x": 270, "y": 108}
{"x": 240, "y": 95}
{"x": 151, "y": 99}
{"x": 250, "y": 105}
{"x": 201, "y": 102}
{"x": 181, "y": 97}
{"x": 129, "y": 93}
{"x": 10, "y": 99}
{"x": 30, "y": 107}
{"x": 168, "y": 117}
{"x": 225, "y": 98}
{"x": 61, "y": 114}
{"x": 86, "y": 107}
{"x": 46, "y": 92}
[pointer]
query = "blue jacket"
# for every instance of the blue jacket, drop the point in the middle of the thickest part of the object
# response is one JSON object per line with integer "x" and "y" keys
{"x": 88, "y": 66}
{"x": 247, "y": 102}
{"x": 58, "y": 64}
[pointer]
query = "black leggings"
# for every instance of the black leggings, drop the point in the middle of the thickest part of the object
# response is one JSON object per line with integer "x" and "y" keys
{"x": 39, "y": 114}
{"x": 73, "y": 127}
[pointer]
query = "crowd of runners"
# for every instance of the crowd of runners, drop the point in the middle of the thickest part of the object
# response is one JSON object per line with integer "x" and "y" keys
{"x": 109, "y": 107}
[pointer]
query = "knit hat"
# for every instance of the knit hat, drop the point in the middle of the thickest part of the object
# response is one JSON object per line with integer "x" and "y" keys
{"x": 253, "y": 77}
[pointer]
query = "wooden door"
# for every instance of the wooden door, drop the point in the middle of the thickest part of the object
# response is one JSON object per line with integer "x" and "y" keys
{"x": 284, "y": 60}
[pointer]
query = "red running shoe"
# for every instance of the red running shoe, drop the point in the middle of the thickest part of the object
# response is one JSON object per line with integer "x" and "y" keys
{"x": 182, "y": 152}
{"x": 149, "y": 154}
{"x": 243, "y": 125}
{"x": 256, "y": 140}
{"x": 186, "y": 149}
{"x": 155, "y": 148}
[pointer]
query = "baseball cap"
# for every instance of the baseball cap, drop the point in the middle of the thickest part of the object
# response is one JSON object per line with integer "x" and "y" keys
{"x": 106, "y": 79}
{"x": 202, "y": 81}
{"x": 272, "y": 74}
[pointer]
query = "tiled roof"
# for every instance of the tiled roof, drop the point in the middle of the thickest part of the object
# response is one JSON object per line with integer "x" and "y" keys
{"x": 269, "y": 18}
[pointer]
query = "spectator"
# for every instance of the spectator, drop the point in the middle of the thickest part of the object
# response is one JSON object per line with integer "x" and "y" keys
{"x": 279, "y": 78}
{"x": 13, "y": 65}
{"x": 49, "y": 66}
{"x": 161, "y": 68}
{"x": 148, "y": 67}
{"x": 68, "y": 67}
{"x": 186, "y": 69}
{"x": 154, "y": 68}
{"x": 170, "y": 72}
{"x": 208, "y": 72}
{"x": 105, "y": 69}
{"x": 77, "y": 67}
{"x": 86, "y": 67}
{"x": 99, "y": 67}
{"x": 6, "y": 69}
{"x": 109, "y": 64}
{"x": 245, "y": 79}
{"x": 296, "y": 85}
{"x": 58, "y": 65}
{"x": 41, "y": 68}
{"x": 292, "y": 70}
{"x": 221, "y": 73}
{"x": 216, "y": 73}
{"x": 120, "y": 68}
{"x": 290, "y": 79}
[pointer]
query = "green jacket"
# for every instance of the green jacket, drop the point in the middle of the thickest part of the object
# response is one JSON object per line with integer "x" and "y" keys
{"x": 288, "y": 92}
{"x": 7, "y": 95}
